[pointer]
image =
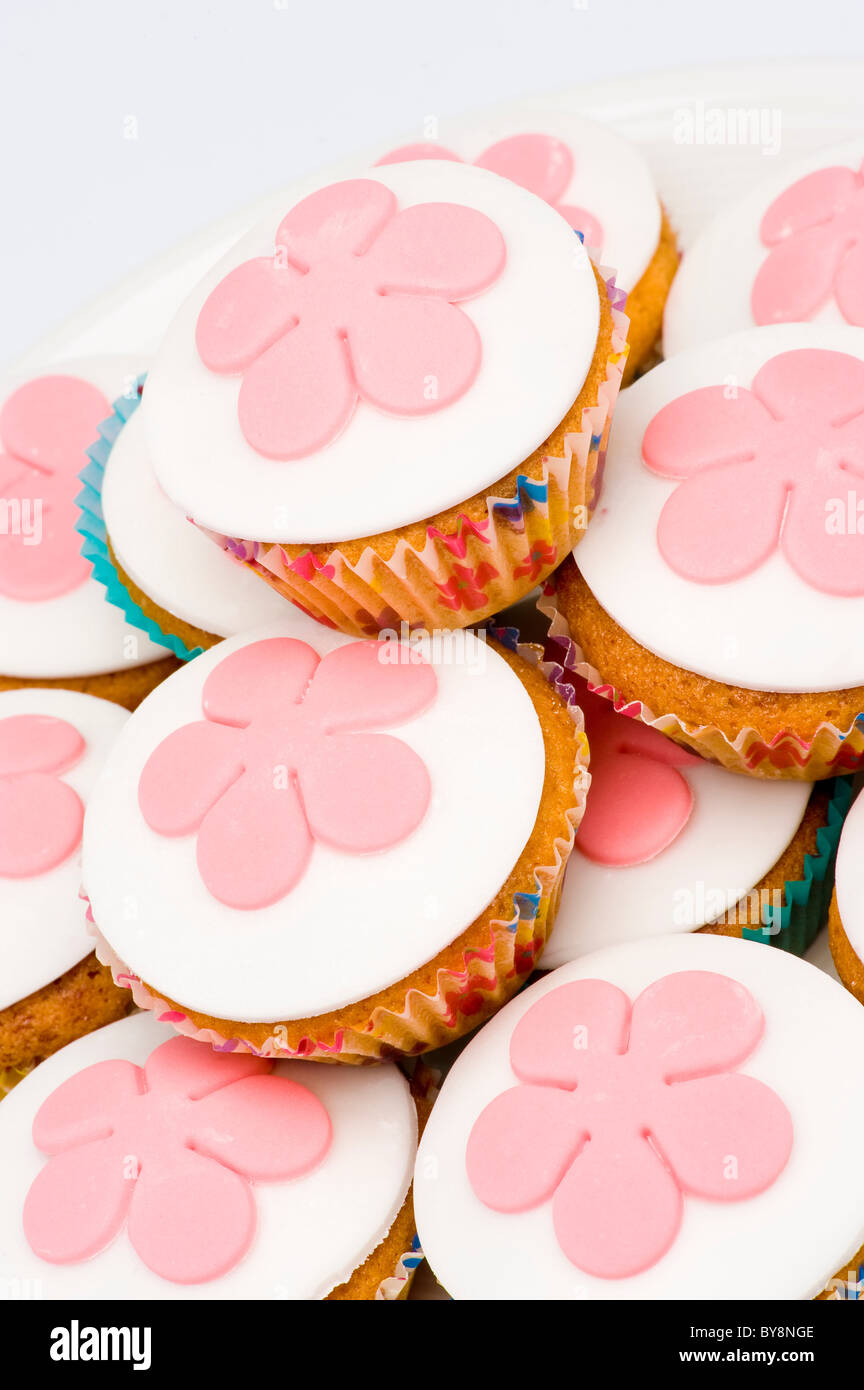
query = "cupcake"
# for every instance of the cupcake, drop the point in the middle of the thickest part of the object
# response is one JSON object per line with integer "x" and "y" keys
{"x": 56, "y": 629}
{"x": 399, "y": 413}
{"x": 792, "y": 251}
{"x": 165, "y": 576}
{"x": 846, "y": 922}
{"x": 53, "y": 744}
{"x": 309, "y": 846}
{"x": 139, "y": 1165}
{"x": 670, "y": 842}
{"x": 720, "y": 590}
{"x": 675, "y": 1118}
{"x": 598, "y": 181}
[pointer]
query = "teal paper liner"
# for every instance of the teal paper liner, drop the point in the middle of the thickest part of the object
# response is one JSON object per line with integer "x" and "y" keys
{"x": 91, "y": 527}
{"x": 805, "y": 901}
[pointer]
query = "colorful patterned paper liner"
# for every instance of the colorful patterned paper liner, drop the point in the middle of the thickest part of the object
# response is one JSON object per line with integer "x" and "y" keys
{"x": 464, "y": 577}
{"x": 489, "y": 974}
{"x": 804, "y": 909}
{"x": 91, "y": 526}
{"x": 830, "y": 753}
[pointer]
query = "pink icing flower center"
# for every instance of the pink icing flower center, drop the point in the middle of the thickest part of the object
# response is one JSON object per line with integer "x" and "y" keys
{"x": 639, "y": 802}
{"x": 765, "y": 466}
{"x": 621, "y": 1112}
{"x": 541, "y": 163}
{"x": 815, "y": 229}
{"x": 169, "y": 1150}
{"x": 40, "y": 816}
{"x": 45, "y": 428}
{"x": 358, "y": 302}
{"x": 285, "y": 757}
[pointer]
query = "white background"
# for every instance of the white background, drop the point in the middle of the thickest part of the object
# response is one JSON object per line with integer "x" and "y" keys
{"x": 228, "y": 99}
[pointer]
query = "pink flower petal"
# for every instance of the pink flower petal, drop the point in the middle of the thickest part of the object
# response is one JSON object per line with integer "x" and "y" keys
{"x": 186, "y": 775}
{"x": 441, "y": 249}
{"x": 343, "y": 217}
{"x": 831, "y": 383}
{"x": 265, "y": 1127}
{"x": 50, "y": 422}
{"x": 618, "y": 1209}
{"x": 726, "y": 1137}
{"x": 82, "y": 1108}
{"x": 413, "y": 356}
{"x": 182, "y": 1067}
{"x": 254, "y": 844}
{"x": 365, "y": 685}
{"x": 808, "y": 202}
{"x": 190, "y": 1220}
{"x": 40, "y": 823}
{"x": 540, "y": 163}
{"x": 566, "y": 1029}
{"x": 77, "y": 1203}
{"x": 737, "y": 499}
{"x": 830, "y": 560}
{"x": 695, "y": 1023}
{"x": 849, "y": 284}
{"x": 40, "y": 556}
{"x": 38, "y": 743}
{"x": 362, "y": 792}
{"x": 700, "y": 429}
{"x": 247, "y": 312}
{"x": 521, "y": 1146}
{"x": 259, "y": 681}
{"x": 795, "y": 279}
{"x": 636, "y": 808}
{"x": 406, "y": 153}
{"x": 299, "y": 394}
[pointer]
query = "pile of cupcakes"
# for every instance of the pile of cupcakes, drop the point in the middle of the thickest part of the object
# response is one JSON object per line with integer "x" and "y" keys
{"x": 287, "y": 799}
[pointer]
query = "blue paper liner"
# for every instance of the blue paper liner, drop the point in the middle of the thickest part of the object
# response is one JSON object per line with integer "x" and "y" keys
{"x": 91, "y": 527}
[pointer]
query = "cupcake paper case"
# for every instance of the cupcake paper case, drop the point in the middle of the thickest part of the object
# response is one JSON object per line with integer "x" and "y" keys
{"x": 672, "y": 843}
{"x": 720, "y": 591}
{"x": 297, "y": 1185}
{"x": 439, "y": 791}
{"x": 788, "y": 252}
{"x": 453, "y": 320}
{"x": 160, "y": 571}
{"x": 55, "y": 627}
{"x": 741, "y": 1064}
{"x": 53, "y": 744}
{"x": 597, "y": 180}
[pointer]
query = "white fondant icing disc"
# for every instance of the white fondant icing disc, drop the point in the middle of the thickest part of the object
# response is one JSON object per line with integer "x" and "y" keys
{"x": 311, "y": 1232}
{"x": 766, "y": 631}
{"x": 785, "y": 1243}
{"x": 538, "y": 326}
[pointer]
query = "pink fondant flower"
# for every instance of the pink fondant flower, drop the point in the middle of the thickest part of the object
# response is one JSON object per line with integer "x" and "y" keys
{"x": 622, "y": 1112}
{"x": 358, "y": 301}
{"x": 284, "y": 757}
{"x": 541, "y": 163}
{"x": 45, "y": 428}
{"x": 170, "y": 1150}
{"x": 772, "y": 464}
{"x": 816, "y": 231}
{"x": 638, "y": 803}
{"x": 40, "y": 816}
